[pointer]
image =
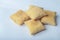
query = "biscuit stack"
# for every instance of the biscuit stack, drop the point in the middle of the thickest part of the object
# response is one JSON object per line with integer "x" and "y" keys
{"x": 35, "y": 18}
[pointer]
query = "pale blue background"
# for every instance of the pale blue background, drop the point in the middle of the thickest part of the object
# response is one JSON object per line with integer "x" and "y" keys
{"x": 11, "y": 31}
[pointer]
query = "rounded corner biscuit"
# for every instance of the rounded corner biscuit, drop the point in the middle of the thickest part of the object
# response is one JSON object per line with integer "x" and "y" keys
{"x": 34, "y": 26}
{"x": 19, "y": 17}
{"x": 35, "y": 12}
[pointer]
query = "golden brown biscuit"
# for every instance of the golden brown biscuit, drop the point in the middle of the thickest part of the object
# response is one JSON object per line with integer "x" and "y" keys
{"x": 19, "y": 17}
{"x": 35, "y": 12}
{"x": 50, "y": 13}
{"x": 50, "y": 19}
{"x": 34, "y": 26}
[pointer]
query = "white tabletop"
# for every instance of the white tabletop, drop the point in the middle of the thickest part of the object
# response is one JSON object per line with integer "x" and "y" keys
{"x": 11, "y": 31}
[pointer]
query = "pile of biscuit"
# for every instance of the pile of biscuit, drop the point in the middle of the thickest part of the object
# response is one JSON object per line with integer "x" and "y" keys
{"x": 35, "y": 18}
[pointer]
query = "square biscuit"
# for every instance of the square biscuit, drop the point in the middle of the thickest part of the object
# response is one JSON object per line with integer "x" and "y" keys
{"x": 34, "y": 26}
{"x": 50, "y": 18}
{"x": 19, "y": 17}
{"x": 50, "y": 13}
{"x": 35, "y": 12}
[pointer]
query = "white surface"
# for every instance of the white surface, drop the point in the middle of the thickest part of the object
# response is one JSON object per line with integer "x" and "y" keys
{"x": 11, "y": 31}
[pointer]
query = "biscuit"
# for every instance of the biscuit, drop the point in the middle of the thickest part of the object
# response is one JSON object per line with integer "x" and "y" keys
{"x": 50, "y": 18}
{"x": 50, "y": 13}
{"x": 34, "y": 26}
{"x": 35, "y": 12}
{"x": 19, "y": 17}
